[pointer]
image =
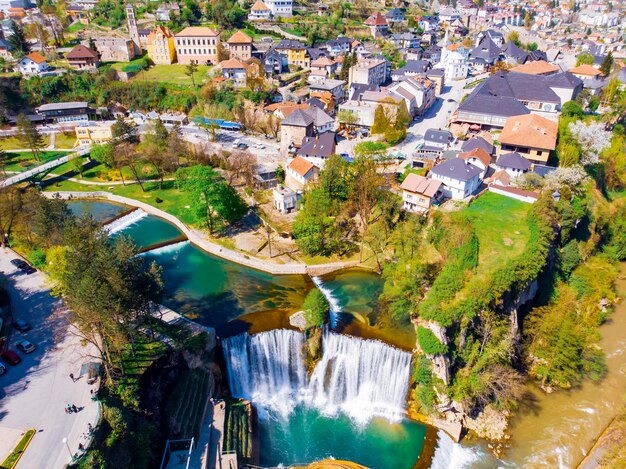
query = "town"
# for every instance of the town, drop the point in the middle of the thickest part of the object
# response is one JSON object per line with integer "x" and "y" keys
{"x": 225, "y": 224}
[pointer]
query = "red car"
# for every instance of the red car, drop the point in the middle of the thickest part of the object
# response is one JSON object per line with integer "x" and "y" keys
{"x": 11, "y": 357}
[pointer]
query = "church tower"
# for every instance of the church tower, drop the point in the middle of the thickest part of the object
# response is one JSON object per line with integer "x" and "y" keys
{"x": 133, "y": 31}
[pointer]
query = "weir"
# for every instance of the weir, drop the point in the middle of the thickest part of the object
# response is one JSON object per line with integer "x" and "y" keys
{"x": 125, "y": 221}
{"x": 359, "y": 378}
{"x": 153, "y": 247}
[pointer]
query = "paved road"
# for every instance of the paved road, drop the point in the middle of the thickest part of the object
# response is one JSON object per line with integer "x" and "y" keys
{"x": 34, "y": 393}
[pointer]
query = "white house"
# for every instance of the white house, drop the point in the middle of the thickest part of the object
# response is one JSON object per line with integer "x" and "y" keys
{"x": 459, "y": 179}
{"x": 513, "y": 164}
{"x": 299, "y": 173}
{"x": 33, "y": 64}
{"x": 286, "y": 200}
{"x": 259, "y": 12}
{"x": 280, "y": 7}
{"x": 453, "y": 62}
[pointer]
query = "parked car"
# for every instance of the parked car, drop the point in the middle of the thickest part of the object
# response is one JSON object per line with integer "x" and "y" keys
{"x": 25, "y": 346}
{"x": 3, "y": 369}
{"x": 236, "y": 143}
{"x": 23, "y": 265}
{"x": 242, "y": 146}
{"x": 21, "y": 325}
{"x": 260, "y": 146}
{"x": 19, "y": 263}
{"x": 11, "y": 357}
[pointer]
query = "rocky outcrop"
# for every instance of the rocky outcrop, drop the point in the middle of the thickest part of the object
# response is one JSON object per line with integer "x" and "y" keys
{"x": 489, "y": 423}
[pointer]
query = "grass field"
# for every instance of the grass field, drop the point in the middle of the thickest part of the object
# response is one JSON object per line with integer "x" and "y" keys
{"x": 171, "y": 199}
{"x": 12, "y": 459}
{"x": 173, "y": 74}
{"x": 65, "y": 140}
{"x": 500, "y": 224}
{"x": 21, "y": 161}
{"x": 12, "y": 143}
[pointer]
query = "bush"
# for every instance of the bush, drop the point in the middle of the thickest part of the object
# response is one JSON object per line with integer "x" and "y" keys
{"x": 37, "y": 258}
{"x": 315, "y": 309}
{"x": 429, "y": 343}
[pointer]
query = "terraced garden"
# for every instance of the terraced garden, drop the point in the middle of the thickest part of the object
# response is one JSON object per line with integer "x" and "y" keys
{"x": 185, "y": 410}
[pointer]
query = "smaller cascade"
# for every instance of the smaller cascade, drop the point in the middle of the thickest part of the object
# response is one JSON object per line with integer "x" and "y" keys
{"x": 451, "y": 455}
{"x": 125, "y": 221}
{"x": 335, "y": 306}
{"x": 168, "y": 249}
{"x": 266, "y": 368}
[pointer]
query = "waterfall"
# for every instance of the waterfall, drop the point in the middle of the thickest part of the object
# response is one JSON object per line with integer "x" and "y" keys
{"x": 361, "y": 378}
{"x": 335, "y": 307}
{"x": 451, "y": 455}
{"x": 266, "y": 368}
{"x": 168, "y": 249}
{"x": 125, "y": 221}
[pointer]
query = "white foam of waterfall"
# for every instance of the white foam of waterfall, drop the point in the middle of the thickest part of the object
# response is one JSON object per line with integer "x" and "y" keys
{"x": 361, "y": 378}
{"x": 335, "y": 306}
{"x": 169, "y": 249}
{"x": 451, "y": 455}
{"x": 125, "y": 221}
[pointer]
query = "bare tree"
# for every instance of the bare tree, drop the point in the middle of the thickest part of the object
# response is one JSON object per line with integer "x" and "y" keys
{"x": 242, "y": 168}
{"x": 11, "y": 203}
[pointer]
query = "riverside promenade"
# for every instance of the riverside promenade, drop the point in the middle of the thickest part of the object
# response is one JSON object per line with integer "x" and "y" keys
{"x": 199, "y": 239}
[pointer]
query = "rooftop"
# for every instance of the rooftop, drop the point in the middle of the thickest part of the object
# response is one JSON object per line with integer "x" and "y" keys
{"x": 195, "y": 31}
{"x": 240, "y": 38}
{"x": 530, "y": 130}
{"x": 513, "y": 161}
{"x": 539, "y": 67}
{"x": 420, "y": 185}
{"x": 456, "y": 168}
{"x": 301, "y": 166}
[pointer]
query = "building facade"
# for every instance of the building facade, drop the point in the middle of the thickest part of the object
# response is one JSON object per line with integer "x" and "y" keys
{"x": 197, "y": 44}
{"x": 161, "y": 47}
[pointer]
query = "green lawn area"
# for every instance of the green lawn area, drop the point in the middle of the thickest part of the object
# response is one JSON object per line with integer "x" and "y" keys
{"x": 171, "y": 199}
{"x": 125, "y": 66}
{"x": 500, "y": 224}
{"x": 21, "y": 161}
{"x": 65, "y": 140}
{"x": 11, "y": 461}
{"x": 12, "y": 143}
{"x": 173, "y": 74}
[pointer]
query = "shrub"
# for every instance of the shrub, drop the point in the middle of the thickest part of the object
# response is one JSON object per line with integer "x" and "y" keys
{"x": 429, "y": 343}
{"x": 315, "y": 308}
{"x": 37, "y": 258}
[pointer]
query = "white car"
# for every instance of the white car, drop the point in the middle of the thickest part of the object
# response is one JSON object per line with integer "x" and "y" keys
{"x": 236, "y": 143}
{"x": 25, "y": 346}
{"x": 260, "y": 146}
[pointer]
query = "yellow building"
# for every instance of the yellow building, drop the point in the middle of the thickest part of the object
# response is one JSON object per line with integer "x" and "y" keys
{"x": 161, "y": 47}
{"x": 93, "y": 132}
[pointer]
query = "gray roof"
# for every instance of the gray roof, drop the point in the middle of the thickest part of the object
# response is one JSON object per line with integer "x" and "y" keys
{"x": 437, "y": 136}
{"x": 502, "y": 106}
{"x": 477, "y": 142}
{"x": 486, "y": 50}
{"x": 456, "y": 168}
{"x": 298, "y": 118}
{"x": 320, "y": 118}
{"x": 63, "y": 106}
{"x": 328, "y": 84}
{"x": 521, "y": 86}
{"x": 510, "y": 50}
{"x": 413, "y": 66}
{"x": 321, "y": 147}
{"x": 563, "y": 80}
{"x": 543, "y": 170}
{"x": 513, "y": 161}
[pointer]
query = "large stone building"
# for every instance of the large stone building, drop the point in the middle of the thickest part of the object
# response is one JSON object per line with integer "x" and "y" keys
{"x": 197, "y": 44}
{"x": 160, "y": 45}
{"x": 120, "y": 48}
{"x": 240, "y": 46}
{"x": 293, "y": 129}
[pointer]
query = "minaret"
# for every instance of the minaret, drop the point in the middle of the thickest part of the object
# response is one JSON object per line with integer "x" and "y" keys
{"x": 444, "y": 46}
{"x": 133, "y": 31}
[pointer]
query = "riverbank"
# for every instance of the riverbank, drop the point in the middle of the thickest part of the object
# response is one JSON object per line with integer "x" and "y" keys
{"x": 200, "y": 240}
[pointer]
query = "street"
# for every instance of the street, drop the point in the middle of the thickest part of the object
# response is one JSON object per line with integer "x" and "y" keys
{"x": 35, "y": 392}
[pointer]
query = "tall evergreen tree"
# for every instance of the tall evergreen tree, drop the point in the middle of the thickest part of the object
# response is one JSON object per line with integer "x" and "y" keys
{"x": 17, "y": 40}
{"x": 607, "y": 64}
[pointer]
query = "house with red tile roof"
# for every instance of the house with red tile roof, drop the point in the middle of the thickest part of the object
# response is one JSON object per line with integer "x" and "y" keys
{"x": 378, "y": 25}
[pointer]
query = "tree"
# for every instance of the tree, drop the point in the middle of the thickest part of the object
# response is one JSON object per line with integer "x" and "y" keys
{"x": 607, "y": 64}
{"x": 348, "y": 118}
{"x": 190, "y": 71}
{"x": 11, "y": 203}
{"x": 123, "y": 131}
{"x": 77, "y": 164}
{"x": 345, "y": 68}
{"x": 214, "y": 202}
{"x": 4, "y": 157}
{"x": 29, "y": 136}
{"x": 315, "y": 309}
{"x": 39, "y": 33}
{"x": 592, "y": 138}
{"x": 572, "y": 109}
{"x": 19, "y": 45}
{"x": 584, "y": 59}
{"x": 104, "y": 154}
{"x": 514, "y": 38}
{"x": 528, "y": 20}
{"x": 126, "y": 155}
{"x": 381, "y": 120}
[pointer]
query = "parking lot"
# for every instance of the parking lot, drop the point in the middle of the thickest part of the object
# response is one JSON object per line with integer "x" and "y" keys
{"x": 35, "y": 392}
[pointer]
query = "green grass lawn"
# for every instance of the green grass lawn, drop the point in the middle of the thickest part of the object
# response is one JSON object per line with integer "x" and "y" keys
{"x": 173, "y": 74}
{"x": 65, "y": 140}
{"x": 21, "y": 161}
{"x": 125, "y": 66}
{"x": 171, "y": 199}
{"x": 500, "y": 224}
{"x": 12, "y": 143}
{"x": 12, "y": 459}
